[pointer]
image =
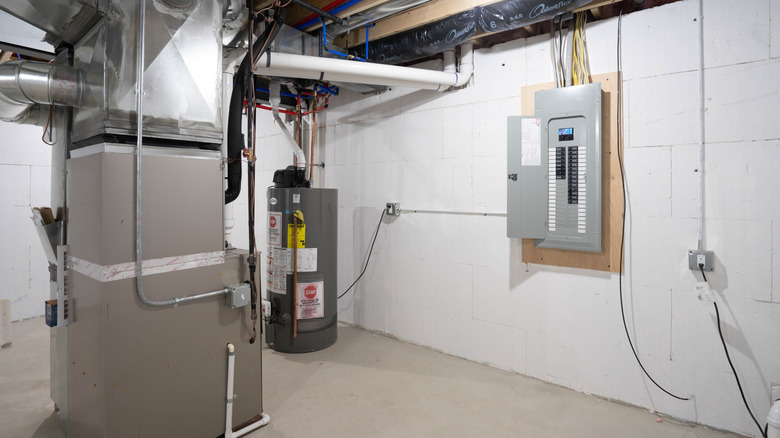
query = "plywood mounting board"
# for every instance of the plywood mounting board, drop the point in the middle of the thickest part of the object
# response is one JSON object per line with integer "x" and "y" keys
{"x": 612, "y": 191}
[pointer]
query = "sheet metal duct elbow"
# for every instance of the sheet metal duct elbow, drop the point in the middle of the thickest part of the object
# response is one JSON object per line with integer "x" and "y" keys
{"x": 26, "y": 83}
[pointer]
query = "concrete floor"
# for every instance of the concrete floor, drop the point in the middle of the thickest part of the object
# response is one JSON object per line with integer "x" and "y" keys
{"x": 366, "y": 385}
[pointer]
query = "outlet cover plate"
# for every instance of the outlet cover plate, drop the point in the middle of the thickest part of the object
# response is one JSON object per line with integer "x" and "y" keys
{"x": 775, "y": 392}
{"x": 393, "y": 208}
{"x": 694, "y": 255}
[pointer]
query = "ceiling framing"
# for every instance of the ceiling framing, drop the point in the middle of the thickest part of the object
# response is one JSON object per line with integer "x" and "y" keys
{"x": 438, "y": 9}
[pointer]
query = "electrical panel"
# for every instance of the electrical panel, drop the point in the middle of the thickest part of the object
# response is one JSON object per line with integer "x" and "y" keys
{"x": 554, "y": 170}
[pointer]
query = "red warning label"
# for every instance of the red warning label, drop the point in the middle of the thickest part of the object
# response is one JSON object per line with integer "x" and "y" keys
{"x": 274, "y": 229}
{"x": 310, "y": 300}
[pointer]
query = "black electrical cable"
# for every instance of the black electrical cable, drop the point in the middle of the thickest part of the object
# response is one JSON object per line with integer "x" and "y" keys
{"x": 623, "y": 229}
{"x": 376, "y": 233}
{"x": 736, "y": 377}
{"x": 762, "y": 431}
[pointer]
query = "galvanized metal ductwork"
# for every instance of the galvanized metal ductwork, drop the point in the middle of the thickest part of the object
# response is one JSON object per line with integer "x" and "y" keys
{"x": 62, "y": 20}
{"x": 183, "y": 71}
{"x": 23, "y": 84}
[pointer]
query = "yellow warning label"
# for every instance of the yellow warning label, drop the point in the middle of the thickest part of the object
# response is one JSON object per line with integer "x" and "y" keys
{"x": 301, "y": 235}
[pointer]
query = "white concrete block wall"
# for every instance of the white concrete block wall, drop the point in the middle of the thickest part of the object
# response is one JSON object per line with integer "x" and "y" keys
{"x": 25, "y": 182}
{"x": 457, "y": 284}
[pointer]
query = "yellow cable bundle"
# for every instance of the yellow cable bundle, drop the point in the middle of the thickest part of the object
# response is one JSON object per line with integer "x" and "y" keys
{"x": 579, "y": 63}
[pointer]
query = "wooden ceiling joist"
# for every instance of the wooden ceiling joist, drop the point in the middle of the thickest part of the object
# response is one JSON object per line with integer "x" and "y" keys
{"x": 421, "y": 15}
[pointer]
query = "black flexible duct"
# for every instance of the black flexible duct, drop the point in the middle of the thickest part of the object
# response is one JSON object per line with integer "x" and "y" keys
{"x": 452, "y": 31}
{"x": 511, "y": 14}
{"x": 423, "y": 41}
{"x": 235, "y": 138}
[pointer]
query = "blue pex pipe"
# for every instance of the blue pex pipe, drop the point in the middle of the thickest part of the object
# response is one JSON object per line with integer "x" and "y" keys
{"x": 283, "y": 93}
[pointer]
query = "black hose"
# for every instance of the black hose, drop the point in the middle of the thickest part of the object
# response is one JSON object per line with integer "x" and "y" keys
{"x": 235, "y": 139}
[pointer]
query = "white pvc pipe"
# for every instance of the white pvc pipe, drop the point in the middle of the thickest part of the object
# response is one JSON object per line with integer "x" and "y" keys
{"x": 230, "y": 396}
{"x": 449, "y": 61}
{"x": 338, "y": 70}
{"x": 275, "y": 98}
{"x": 466, "y": 69}
{"x": 264, "y": 418}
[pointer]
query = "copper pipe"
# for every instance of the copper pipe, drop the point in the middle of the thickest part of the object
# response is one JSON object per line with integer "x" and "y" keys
{"x": 295, "y": 275}
{"x": 311, "y": 147}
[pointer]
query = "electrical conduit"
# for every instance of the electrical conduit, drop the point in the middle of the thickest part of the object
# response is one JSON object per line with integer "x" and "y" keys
{"x": 138, "y": 173}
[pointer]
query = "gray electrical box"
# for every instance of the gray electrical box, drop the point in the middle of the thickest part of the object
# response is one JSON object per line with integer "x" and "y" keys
{"x": 239, "y": 296}
{"x": 554, "y": 170}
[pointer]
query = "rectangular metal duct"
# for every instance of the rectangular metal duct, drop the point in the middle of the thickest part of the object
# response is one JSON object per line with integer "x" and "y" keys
{"x": 63, "y": 20}
{"x": 182, "y": 77}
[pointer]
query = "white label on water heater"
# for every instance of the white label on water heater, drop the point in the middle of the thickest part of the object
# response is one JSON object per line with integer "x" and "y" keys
{"x": 311, "y": 297}
{"x": 274, "y": 228}
{"x": 276, "y": 271}
{"x": 307, "y": 260}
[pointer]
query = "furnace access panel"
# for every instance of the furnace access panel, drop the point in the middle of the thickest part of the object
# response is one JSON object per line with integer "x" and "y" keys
{"x": 554, "y": 170}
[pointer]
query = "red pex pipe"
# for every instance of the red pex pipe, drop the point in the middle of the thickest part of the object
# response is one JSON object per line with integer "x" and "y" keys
{"x": 327, "y": 7}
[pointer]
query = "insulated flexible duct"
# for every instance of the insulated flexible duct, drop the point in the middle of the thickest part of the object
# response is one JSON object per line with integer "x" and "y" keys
{"x": 452, "y": 31}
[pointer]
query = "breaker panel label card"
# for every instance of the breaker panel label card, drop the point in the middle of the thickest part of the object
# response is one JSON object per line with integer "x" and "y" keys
{"x": 531, "y": 149}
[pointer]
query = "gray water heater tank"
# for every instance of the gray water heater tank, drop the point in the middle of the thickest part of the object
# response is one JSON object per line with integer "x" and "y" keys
{"x": 310, "y": 325}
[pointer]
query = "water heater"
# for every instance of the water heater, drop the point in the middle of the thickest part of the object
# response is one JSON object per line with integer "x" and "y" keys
{"x": 301, "y": 272}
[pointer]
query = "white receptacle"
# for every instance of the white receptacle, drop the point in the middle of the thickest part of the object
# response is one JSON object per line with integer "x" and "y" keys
{"x": 5, "y": 323}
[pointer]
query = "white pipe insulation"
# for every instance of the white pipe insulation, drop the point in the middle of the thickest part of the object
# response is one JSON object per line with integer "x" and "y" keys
{"x": 275, "y": 97}
{"x": 338, "y": 70}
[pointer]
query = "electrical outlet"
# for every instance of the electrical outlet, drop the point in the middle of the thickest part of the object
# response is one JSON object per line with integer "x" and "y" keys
{"x": 775, "y": 389}
{"x": 700, "y": 257}
{"x": 393, "y": 208}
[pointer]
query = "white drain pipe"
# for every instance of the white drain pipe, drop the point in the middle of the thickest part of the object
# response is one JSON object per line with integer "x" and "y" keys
{"x": 274, "y": 96}
{"x": 264, "y": 418}
{"x": 338, "y": 70}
